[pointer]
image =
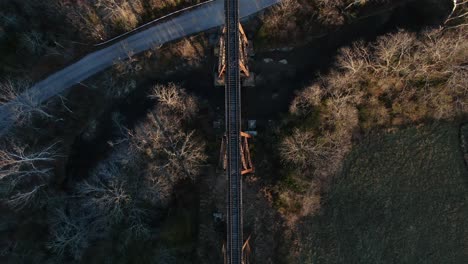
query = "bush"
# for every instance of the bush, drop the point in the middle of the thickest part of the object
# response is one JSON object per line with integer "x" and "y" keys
{"x": 300, "y": 20}
{"x": 176, "y": 152}
{"x": 400, "y": 79}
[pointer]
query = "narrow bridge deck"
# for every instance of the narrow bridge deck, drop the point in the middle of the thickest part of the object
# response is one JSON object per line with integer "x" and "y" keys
{"x": 233, "y": 129}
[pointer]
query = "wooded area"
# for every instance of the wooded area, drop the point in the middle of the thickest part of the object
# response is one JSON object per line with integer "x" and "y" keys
{"x": 110, "y": 170}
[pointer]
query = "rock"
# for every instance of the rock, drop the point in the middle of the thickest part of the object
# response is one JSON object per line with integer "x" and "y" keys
{"x": 217, "y": 217}
{"x": 213, "y": 39}
{"x": 267, "y": 60}
{"x": 258, "y": 78}
{"x": 286, "y": 49}
{"x": 252, "y": 124}
{"x": 217, "y": 124}
{"x": 90, "y": 131}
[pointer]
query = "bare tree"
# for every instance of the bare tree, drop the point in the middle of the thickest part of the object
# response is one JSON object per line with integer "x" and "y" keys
{"x": 164, "y": 255}
{"x": 118, "y": 189}
{"x": 458, "y": 15}
{"x": 137, "y": 229}
{"x": 185, "y": 153}
{"x": 21, "y": 103}
{"x": 168, "y": 95}
{"x": 158, "y": 187}
{"x": 297, "y": 148}
{"x": 84, "y": 19}
{"x": 331, "y": 12}
{"x": 403, "y": 67}
{"x": 162, "y": 137}
{"x": 33, "y": 42}
{"x": 173, "y": 152}
{"x": 18, "y": 163}
{"x": 178, "y": 153}
{"x": 25, "y": 174}
{"x": 305, "y": 101}
{"x": 9, "y": 20}
{"x": 354, "y": 59}
{"x": 69, "y": 234}
{"x": 2, "y": 34}
{"x": 400, "y": 78}
{"x": 127, "y": 65}
{"x": 27, "y": 199}
{"x": 120, "y": 13}
{"x": 109, "y": 199}
{"x": 304, "y": 149}
{"x": 281, "y": 22}
{"x": 174, "y": 98}
{"x": 391, "y": 54}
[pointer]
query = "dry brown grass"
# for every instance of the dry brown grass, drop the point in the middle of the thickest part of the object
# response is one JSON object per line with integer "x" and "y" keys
{"x": 401, "y": 198}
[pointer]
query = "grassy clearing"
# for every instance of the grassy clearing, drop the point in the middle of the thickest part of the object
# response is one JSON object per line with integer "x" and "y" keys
{"x": 402, "y": 198}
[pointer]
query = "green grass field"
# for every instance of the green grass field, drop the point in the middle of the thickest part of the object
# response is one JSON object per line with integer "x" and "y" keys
{"x": 402, "y": 198}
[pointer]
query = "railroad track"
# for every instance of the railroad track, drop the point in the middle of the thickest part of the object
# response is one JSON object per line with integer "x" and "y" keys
{"x": 233, "y": 129}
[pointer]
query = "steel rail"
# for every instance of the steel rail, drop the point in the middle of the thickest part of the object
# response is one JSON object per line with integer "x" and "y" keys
{"x": 233, "y": 129}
